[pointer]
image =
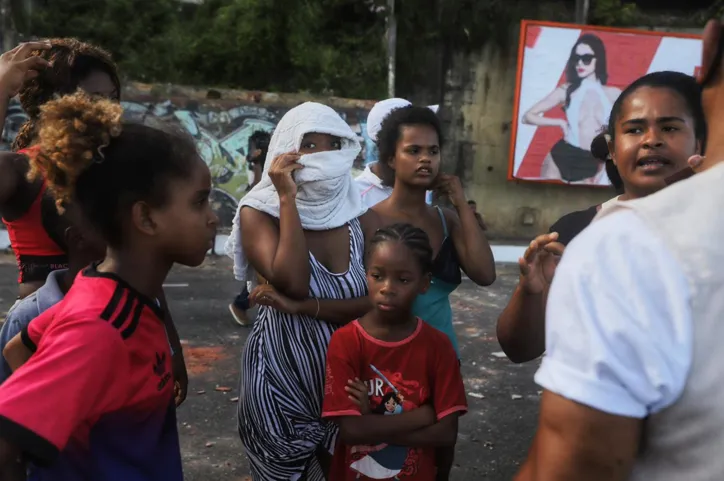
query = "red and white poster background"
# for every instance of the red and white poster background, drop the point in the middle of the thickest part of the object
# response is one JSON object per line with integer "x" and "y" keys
{"x": 544, "y": 52}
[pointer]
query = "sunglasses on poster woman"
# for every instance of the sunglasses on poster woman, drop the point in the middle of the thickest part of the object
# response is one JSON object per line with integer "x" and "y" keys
{"x": 585, "y": 59}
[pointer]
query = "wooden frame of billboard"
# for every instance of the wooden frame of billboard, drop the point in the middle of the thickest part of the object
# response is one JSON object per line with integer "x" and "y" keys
{"x": 524, "y": 24}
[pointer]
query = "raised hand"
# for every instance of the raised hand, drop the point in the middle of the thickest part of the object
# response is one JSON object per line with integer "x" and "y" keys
{"x": 539, "y": 262}
{"x": 21, "y": 64}
{"x": 281, "y": 173}
{"x": 450, "y": 186}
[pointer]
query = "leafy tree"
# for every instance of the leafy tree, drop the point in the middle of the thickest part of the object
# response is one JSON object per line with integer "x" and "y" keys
{"x": 614, "y": 13}
{"x": 322, "y": 46}
{"x": 143, "y": 35}
{"x": 333, "y": 47}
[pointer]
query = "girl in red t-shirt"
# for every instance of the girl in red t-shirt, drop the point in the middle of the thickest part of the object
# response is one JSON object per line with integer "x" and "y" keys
{"x": 393, "y": 383}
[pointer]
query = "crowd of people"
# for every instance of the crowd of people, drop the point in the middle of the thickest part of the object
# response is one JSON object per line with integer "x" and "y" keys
{"x": 351, "y": 369}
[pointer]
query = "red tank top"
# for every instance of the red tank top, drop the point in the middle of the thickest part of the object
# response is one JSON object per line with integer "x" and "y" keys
{"x": 36, "y": 253}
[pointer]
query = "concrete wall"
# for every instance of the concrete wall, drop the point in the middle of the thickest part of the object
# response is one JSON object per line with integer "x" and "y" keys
{"x": 478, "y": 113}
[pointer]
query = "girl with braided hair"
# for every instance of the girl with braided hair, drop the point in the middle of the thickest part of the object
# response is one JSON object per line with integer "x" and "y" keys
{"x": 30, "y": 217}
{"x": 392, "y": 382}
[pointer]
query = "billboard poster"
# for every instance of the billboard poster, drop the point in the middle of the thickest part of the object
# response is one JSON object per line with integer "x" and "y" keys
{"x": 568, "y": 78}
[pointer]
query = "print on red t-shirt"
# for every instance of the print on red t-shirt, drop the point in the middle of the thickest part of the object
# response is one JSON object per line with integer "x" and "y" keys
{"x": 400, "y": 376}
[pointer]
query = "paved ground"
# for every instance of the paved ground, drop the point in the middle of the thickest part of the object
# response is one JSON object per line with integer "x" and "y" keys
{"x": 494, "y": 436}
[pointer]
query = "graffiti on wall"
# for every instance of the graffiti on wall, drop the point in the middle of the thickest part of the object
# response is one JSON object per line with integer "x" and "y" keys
{"x": 222, "y": 138}
{"x": 14, "y": 119}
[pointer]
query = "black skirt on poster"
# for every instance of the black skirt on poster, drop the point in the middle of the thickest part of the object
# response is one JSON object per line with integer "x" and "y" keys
{"x": 574, "y": 163}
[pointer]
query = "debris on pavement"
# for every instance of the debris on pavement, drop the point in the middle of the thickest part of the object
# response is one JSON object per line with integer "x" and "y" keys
{"x": 476, "y": 395}
{"x": 515, "y": 397}
{"x": 223, "y": 389}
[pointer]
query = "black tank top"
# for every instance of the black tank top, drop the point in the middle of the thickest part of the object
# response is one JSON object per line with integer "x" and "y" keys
{"x": 446, "y": 265}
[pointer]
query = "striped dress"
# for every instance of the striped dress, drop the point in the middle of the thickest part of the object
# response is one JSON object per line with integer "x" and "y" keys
{"x": 282, "y": 378}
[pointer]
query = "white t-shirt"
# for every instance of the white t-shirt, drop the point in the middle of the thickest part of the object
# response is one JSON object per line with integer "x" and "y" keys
{"x": 373, "y": 191}
{"x": 618, "y": 321}
{"x": 371, "y": 188}
{"x": 609, "y": 203}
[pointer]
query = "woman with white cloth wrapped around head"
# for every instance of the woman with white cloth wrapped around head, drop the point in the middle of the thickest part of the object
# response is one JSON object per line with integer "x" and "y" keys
{"x": 303, "y": 230}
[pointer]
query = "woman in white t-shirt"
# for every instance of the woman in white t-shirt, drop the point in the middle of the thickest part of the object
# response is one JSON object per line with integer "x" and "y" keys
{"x": 632, "y": 379}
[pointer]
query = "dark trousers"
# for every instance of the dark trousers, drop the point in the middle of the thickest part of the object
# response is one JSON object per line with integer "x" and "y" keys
{"x": 242, "y": 300}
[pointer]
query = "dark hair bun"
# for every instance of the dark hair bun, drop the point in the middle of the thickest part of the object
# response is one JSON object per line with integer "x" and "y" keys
{"x": 599, "y": 147}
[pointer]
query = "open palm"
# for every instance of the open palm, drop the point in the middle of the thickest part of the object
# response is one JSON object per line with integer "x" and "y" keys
{"x": 539, "y": 262}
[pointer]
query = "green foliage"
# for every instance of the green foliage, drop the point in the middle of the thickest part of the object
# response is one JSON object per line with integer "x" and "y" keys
{"x": 322, "y": 46}
{"x": 699, "y": 18}
{"x": 140, "y": 33}
{"x": 332, "y": 47}
{"x": 615, "y": 13}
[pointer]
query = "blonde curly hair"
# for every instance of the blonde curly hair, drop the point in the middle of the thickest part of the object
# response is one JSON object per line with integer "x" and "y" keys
{"x": 73, "y": 131}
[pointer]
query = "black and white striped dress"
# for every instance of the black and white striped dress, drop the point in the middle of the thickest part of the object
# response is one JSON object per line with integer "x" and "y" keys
{"x": 282, "y": 378}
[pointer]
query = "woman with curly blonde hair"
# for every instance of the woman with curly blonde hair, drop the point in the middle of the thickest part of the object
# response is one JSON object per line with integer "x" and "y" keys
{"x": 103, "y": 363}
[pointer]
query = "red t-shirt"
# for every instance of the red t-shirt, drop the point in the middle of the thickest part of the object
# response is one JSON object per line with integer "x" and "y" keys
{"x": 96, "y": 399}
{"x": 31, "y": 334}
{"x": 401, "y": 376}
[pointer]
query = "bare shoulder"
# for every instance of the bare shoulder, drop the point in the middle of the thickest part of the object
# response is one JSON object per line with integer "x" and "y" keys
{"x": 13, "y": 168}
{"x": 556, "y": 97}
{"x": 254, "y": 215}
{"x": 451, "y": 216}
{"x": 370, "y": 222}
{"x": 612, "y": 92}
{"x": 381, "y": 214}
{"x": 560, "y": 91}
{"x": 261, "y": 222}
{"x": 12, "y": 162}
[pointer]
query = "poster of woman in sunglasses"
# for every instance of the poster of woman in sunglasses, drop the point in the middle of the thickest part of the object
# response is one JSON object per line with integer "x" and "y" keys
{"x": 569, "y": 77}
{"x": 586, "y": 101}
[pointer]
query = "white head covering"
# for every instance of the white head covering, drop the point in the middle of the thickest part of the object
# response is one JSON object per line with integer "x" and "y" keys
{"x": 327, "y": 197}
{"x": 379, "y": 113}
